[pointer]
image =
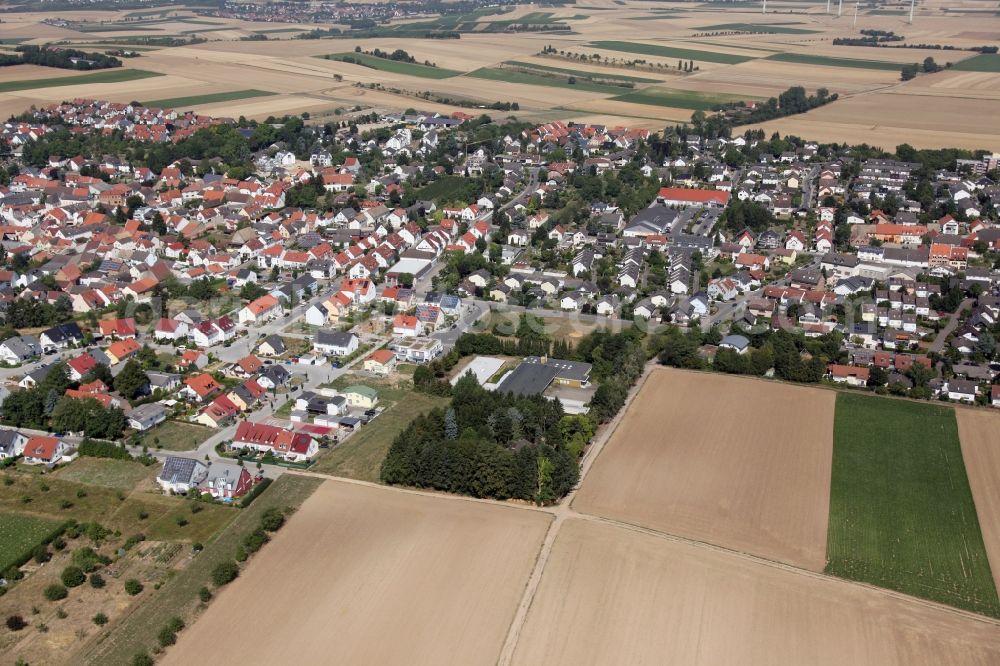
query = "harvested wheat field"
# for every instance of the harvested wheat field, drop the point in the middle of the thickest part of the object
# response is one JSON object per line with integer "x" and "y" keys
{"x": 978, "y": 431}
{"x": 743, "y": 464}
{"x": 613, "y": 595}
{"x": 364, "y": 575}
{"x": 889, "y": 119}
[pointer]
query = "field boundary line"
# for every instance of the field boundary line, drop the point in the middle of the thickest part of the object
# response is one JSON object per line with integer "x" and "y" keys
{"x": 775, "y": 564}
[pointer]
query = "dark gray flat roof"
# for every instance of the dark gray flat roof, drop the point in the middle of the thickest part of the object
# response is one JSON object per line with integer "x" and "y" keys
{"x": 528, "y": 379}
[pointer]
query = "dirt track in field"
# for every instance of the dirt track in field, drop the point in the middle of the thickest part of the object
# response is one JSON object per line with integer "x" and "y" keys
{"x": 740, "y": 463}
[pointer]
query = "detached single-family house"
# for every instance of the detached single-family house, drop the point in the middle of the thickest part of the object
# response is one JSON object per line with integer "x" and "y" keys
{"x": 361, "y": 396}
{"x": 335, "y": 343}
{"x": 179, "y": 474}
{"x": 227, "y": 482}
{"x": 381, "y": 362}
{"x": 48, "y": 451}
{"x": 147, "y": 416}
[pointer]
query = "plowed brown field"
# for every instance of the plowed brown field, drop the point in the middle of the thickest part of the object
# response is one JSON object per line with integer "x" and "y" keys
{"x": 365, "y": 575}
{"x": 612, "y": 595}
{"x": 980, "y": 435}
{"x": 736, "y": 462}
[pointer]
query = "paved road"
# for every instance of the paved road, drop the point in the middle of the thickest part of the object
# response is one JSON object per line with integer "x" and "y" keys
{"x": 942, "y": 336}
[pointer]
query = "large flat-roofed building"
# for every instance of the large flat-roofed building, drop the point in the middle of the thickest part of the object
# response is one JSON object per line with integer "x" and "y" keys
{"x": 417, "y": 350}
{"x": 528, "y": 379}
{"x": 568, "y": 373}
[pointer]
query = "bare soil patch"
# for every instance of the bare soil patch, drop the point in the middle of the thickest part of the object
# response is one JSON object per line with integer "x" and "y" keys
{"x": 981, "y": 452}
{"x": 611, "y": 595}
{"x": 365, "y": 575}
{"x": 739, "y": 463}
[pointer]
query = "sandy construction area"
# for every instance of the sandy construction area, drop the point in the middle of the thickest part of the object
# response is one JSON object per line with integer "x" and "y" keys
{"x": 739, "y": 463}
{"x": 364, "y": 575}
{"x": 610, "y": 595}
{"x": 981, "y": 452}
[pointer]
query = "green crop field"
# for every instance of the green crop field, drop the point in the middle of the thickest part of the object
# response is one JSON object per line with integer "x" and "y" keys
{"x": 582, "y": 73}
{"x": 984, "y": 62}
{"x": 182, "y": 103}
{"x": 826, "y": 61}
{"x": 395, "y": 66}
{"x": 106, "y": 76}
{"x": 901, "y": 510}
{"x": 671, "y": 52}
{"x": 525, "y": 78}
{"x": 680, "y": 99}
{"x": 19, "y": 534}
{"x": 765, "y": 28}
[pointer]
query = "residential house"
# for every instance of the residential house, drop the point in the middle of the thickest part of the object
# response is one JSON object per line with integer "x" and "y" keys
{"x": 180, "y": 475}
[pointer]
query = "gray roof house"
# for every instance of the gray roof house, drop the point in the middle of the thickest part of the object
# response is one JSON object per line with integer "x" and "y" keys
{"x": 146, "y": 416}
{"x": 179, "y": 475}
{"x": 11, "y": 443}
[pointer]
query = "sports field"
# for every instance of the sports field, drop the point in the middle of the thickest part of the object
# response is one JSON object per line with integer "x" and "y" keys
{"x": 721, "y": 459}
{"x": 901, "y": 510}
{"x": 366, "y": 575}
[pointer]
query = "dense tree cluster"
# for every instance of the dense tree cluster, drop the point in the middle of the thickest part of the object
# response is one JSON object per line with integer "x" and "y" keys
{"x": 34, "y": 313}
{"x": 59, "y": 57}
{"x": 792, "y": 356}
{"x": 486, "y": 444}
{"x": 45, "y": 407}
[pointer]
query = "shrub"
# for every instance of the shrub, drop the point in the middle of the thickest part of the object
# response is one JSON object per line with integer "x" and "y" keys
{"x": 272, "y": 519}
{"x": 241, "y": 554}
{"x": 88, "y": 559}
{"x": 196, "y": 508}
{"x": 133, "y": 587}
{"x": 41, "y": 553}
{"x": 96, "y": 581}
{"x": 143, "y": 515}
{"x": 255, "y": 540}
{"x": 65, "y": 504}
{"x": 59, "y": 543}
{"x": 142, "y": 659}
{"x": 254, "y": 492}
{"x": 225, "y": 572}
{"x": 16, "y": 623}
{"x": 175, "y": 624}
{"x": 81, "y": 493}
{"x": 55, "y": 592}
{"x": 166, "y": 637}
{"x": 61, "y": 614}
{"x": 73, "y": 576}
{"x": 205, "y": 595}
{"x": 100, "y": 619}
{"x": 181, "y": 521}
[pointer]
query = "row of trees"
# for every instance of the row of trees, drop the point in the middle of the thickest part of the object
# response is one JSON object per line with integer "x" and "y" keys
{"x": 62, "y": 58}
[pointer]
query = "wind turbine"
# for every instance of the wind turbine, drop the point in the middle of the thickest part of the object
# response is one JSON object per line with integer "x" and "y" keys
{"x": 827, "y": 6}
{"x": 856, "y": 12}
{"x": 840, "y": 8}
{"x": 763, "y": 9}
{"x": 912, "y": 2}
